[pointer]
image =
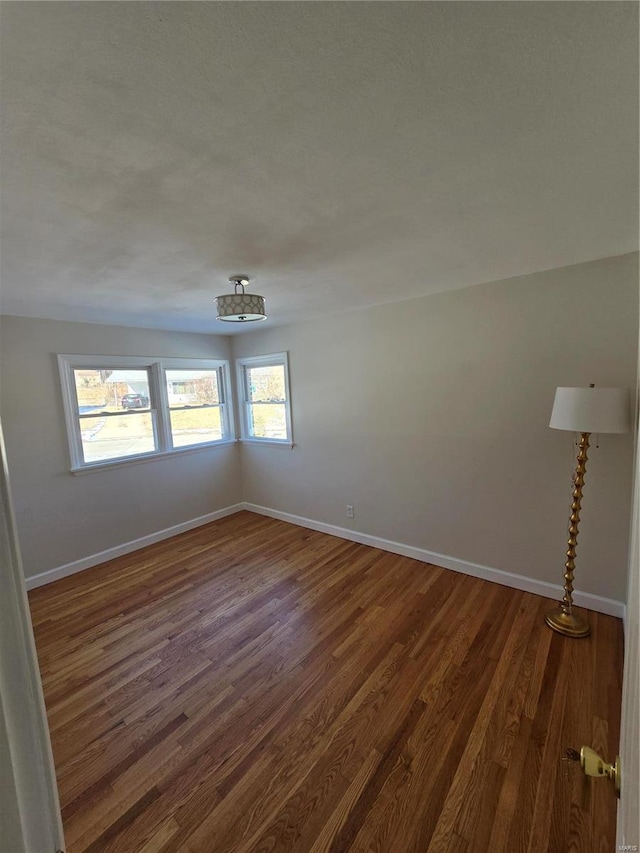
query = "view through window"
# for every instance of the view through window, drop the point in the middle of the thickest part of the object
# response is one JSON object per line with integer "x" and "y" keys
{"x": 264, "y": 385}
{"x": 119, "y": 408}
{"x": 194, "y": 406}
{"x": 113, "y": 410}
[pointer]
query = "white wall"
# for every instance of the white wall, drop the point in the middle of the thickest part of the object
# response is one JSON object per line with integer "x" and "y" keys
{"x": 62, "y": 518}
{"x": 431, "y": 417}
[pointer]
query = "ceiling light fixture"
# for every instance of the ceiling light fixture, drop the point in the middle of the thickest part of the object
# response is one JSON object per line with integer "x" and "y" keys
{"x": 240, "y": 307}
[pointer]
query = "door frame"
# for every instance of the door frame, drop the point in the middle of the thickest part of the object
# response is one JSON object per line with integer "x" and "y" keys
{"x": 628, "y": 830}
{"x": 29, "y": 804}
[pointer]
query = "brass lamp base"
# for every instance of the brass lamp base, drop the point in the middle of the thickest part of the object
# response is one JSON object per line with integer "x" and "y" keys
{"x": 570, "y": 624}
{"x": 562, "y": 618}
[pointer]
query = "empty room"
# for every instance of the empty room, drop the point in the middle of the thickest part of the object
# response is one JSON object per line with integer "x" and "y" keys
{"x": 318, "y": 385}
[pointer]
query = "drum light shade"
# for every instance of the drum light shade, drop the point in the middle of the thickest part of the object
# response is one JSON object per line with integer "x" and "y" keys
{"x": 240, "y": 307}
{"x": 591, "y": 409}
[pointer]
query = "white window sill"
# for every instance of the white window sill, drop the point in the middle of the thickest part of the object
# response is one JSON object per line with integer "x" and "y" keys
{"x": 148, "y": 457}
{"x": 267, "y": 442}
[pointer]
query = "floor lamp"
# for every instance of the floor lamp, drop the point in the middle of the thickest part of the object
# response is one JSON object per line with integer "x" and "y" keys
{"x": 583, "y": 410}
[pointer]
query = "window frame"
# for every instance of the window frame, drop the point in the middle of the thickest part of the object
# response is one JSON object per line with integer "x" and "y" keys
{"x": 225, "y": 396}
{"x": 158, "y": 404}
{"x": 277, "y": 358}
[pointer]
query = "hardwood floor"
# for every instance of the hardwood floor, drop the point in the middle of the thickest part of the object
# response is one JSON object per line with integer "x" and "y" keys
{"x": 254, "y": 686}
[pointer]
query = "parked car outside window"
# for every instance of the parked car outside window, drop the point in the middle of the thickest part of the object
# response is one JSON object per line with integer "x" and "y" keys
{"x": 134, "y": 401}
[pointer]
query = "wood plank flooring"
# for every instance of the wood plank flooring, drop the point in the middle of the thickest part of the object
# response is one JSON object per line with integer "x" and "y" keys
{"x": 253, "y": 686}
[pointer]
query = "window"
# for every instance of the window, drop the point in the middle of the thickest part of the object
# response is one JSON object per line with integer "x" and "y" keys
{"x": 114, "y": 415}
{"x": 119, "y": 409}
{"x": 196, "y": 409}
{"x": 263, "y": 388}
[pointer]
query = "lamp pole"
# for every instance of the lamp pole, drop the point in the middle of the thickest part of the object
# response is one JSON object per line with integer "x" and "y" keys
{"x": 562, "y": 618}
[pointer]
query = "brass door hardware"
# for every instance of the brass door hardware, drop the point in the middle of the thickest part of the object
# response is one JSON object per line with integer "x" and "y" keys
{"x": 593, "y": 765}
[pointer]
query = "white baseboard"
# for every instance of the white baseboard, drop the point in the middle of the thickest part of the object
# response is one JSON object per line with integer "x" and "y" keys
{"x": 547, "y": 590}
{"x": 127, "y": 547}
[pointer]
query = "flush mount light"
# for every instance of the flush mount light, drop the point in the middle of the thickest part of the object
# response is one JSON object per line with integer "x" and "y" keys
{"x": 240, "y": 307}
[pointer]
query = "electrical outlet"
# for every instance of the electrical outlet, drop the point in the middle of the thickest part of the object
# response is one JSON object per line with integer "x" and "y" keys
{"x": 349, "y": 511}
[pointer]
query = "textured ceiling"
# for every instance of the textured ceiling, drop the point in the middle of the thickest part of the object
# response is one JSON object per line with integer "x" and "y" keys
{"x": 340, "y": 154}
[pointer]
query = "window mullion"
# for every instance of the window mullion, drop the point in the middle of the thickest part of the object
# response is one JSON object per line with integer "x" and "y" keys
{"x": 226, "y": 396}
{"x": 161, "y": 399}
{"x": 244, "y": 407}
{"x": 221, "y": 380}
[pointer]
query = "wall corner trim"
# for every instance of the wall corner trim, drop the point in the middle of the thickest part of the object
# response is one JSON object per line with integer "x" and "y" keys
{"x": 609, "y": 606}
{"x": 127, "y": 547}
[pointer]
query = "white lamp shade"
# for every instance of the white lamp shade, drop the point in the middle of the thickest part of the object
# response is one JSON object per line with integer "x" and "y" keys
{"x": 591, "y": 410}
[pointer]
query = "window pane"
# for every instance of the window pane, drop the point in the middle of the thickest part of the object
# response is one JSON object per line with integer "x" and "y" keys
{"x": 111, "y": 390}
{"x": 266, "y": 384}
{"x": 192, "y": 387}
{"x": 196, "y": 427}
{"x": 122, "y": 435}
{"x": 268, "y": 420}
